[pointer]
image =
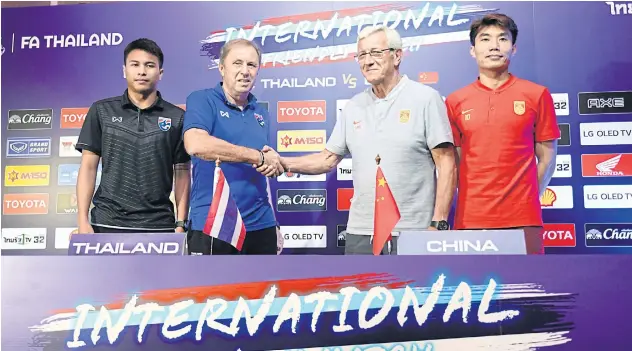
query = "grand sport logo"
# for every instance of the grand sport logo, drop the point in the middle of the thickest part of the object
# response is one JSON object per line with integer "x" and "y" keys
{"x": 301, "y": 200}
{"x": 30, "y": 119}
{"x": 28, "y": 147}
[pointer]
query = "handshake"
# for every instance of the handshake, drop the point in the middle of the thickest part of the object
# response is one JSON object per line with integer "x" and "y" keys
{"x": 273, "y": 164}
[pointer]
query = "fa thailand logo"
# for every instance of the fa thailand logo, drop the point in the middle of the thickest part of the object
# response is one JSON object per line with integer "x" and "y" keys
{"x": 164, "y": 123}
{"x": 259, "y": 119}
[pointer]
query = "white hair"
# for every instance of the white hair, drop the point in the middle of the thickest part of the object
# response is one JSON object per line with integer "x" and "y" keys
{"x": 393, "y": 38}
{"x": 229, "y": 45}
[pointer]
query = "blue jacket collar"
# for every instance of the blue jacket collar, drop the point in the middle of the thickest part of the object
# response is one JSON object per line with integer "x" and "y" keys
{"x": 252, "y": 100}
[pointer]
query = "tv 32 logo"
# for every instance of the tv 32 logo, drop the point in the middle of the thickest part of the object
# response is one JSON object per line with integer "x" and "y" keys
{"x": 562, "y": 167}
{"x": 560, "y": 105}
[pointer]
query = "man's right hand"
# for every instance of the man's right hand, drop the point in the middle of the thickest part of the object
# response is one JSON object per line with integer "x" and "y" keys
{"x": 272, "y": 166}
{"x": 85, "y": 228}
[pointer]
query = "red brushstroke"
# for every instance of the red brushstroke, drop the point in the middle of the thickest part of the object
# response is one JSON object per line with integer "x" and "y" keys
{"x": 257, "y": 290}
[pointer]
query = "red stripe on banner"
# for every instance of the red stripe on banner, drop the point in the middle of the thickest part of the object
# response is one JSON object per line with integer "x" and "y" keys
{"x": 327, "y": 15}
{"x": 212, "y": 212}
{"x": 242, "y": 236}
{"x": 257, "y": 290}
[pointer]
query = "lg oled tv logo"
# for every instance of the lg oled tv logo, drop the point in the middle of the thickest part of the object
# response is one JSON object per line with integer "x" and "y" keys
{"x": 296, "y": 237}
{"x": 608, "y": 196}
{"x": 606, "y": 133}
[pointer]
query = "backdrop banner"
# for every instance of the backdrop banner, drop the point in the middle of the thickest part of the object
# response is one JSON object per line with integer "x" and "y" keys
{"x": 518, "y": 303}
{"x": 58, "y": 60}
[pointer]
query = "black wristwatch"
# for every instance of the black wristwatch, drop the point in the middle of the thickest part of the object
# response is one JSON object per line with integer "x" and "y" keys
{"x": 182, "y": 224}
{"x": 440, "y": 225}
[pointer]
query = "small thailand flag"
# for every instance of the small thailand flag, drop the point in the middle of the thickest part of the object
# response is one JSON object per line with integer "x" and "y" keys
{"x": 224, "y": 220}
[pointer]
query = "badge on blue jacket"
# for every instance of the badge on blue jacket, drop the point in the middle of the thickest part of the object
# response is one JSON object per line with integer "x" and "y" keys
{"x": 259, "y": 119}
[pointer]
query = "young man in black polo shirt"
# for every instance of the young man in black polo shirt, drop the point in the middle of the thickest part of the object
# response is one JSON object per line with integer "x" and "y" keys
{"x": 138, "y": 138}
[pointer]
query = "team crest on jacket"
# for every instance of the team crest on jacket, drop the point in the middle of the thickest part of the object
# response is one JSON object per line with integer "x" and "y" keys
{"x": 259, "y": 119}
{"x": 164, "y": 123}
{"x": 519, "y": 108}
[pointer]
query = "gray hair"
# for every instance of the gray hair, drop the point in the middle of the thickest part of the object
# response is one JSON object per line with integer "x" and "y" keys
{"x": 229, "y": 45}
{"x": 393, "y": 38}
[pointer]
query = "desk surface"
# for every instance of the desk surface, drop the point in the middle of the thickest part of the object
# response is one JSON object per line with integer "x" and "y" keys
{"x": 566, "y": 302}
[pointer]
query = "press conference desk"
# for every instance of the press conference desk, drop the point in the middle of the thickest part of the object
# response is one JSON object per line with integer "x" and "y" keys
{"x": 466, "y": 242}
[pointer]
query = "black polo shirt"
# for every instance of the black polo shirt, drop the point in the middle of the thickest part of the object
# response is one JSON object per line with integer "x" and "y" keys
{"x": 138, "y": 149}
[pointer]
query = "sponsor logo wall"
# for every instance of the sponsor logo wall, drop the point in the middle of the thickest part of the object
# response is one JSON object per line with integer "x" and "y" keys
{"x": 307, "y": 79}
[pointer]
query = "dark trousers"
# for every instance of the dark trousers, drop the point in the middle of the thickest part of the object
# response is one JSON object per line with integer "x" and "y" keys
{"x": 257, "y": 242}
{"x": 98, "y": 229}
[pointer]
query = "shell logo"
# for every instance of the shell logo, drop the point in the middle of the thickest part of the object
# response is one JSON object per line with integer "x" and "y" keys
{"x": 548, "y": 198}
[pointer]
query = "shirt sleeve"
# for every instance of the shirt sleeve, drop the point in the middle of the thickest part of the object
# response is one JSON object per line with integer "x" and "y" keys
{"x": 91, "y": 132}
{"x": 546, "y": 128}
{"x": 452, "y": 116}
{"x": 438, "y": 130}
{"x": 337, "y": 142}
{"x": 180, "y": 153}
{"x": 200, "y": 114}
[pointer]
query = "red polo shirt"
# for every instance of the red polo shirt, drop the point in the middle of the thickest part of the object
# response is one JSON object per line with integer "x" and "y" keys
{"x": 496, "y": 130}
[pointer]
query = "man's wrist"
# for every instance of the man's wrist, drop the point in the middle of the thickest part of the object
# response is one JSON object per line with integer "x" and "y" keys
{"x": 182, "y": 223}
{"x": 262, "y": 159}
{"x": 440, "y": 224}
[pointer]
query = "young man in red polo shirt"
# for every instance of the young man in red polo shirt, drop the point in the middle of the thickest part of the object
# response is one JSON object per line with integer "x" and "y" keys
{"x": 501, "y": 123}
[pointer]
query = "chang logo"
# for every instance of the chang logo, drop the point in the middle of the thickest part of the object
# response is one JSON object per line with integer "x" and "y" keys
{"x": 594, "y": 234}
{"x": 15, "y": 119}
{"x": 284, "y": 200}
{"x": 299, "y": 200}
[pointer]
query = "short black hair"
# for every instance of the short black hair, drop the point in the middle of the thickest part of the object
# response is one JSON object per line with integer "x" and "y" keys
{"x": 494, "y": 20}
{"x": 146, "y": 45}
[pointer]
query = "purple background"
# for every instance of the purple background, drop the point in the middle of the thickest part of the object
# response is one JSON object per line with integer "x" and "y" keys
{"x": 575, "y": 47}
{"x": 32, "y": 289}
